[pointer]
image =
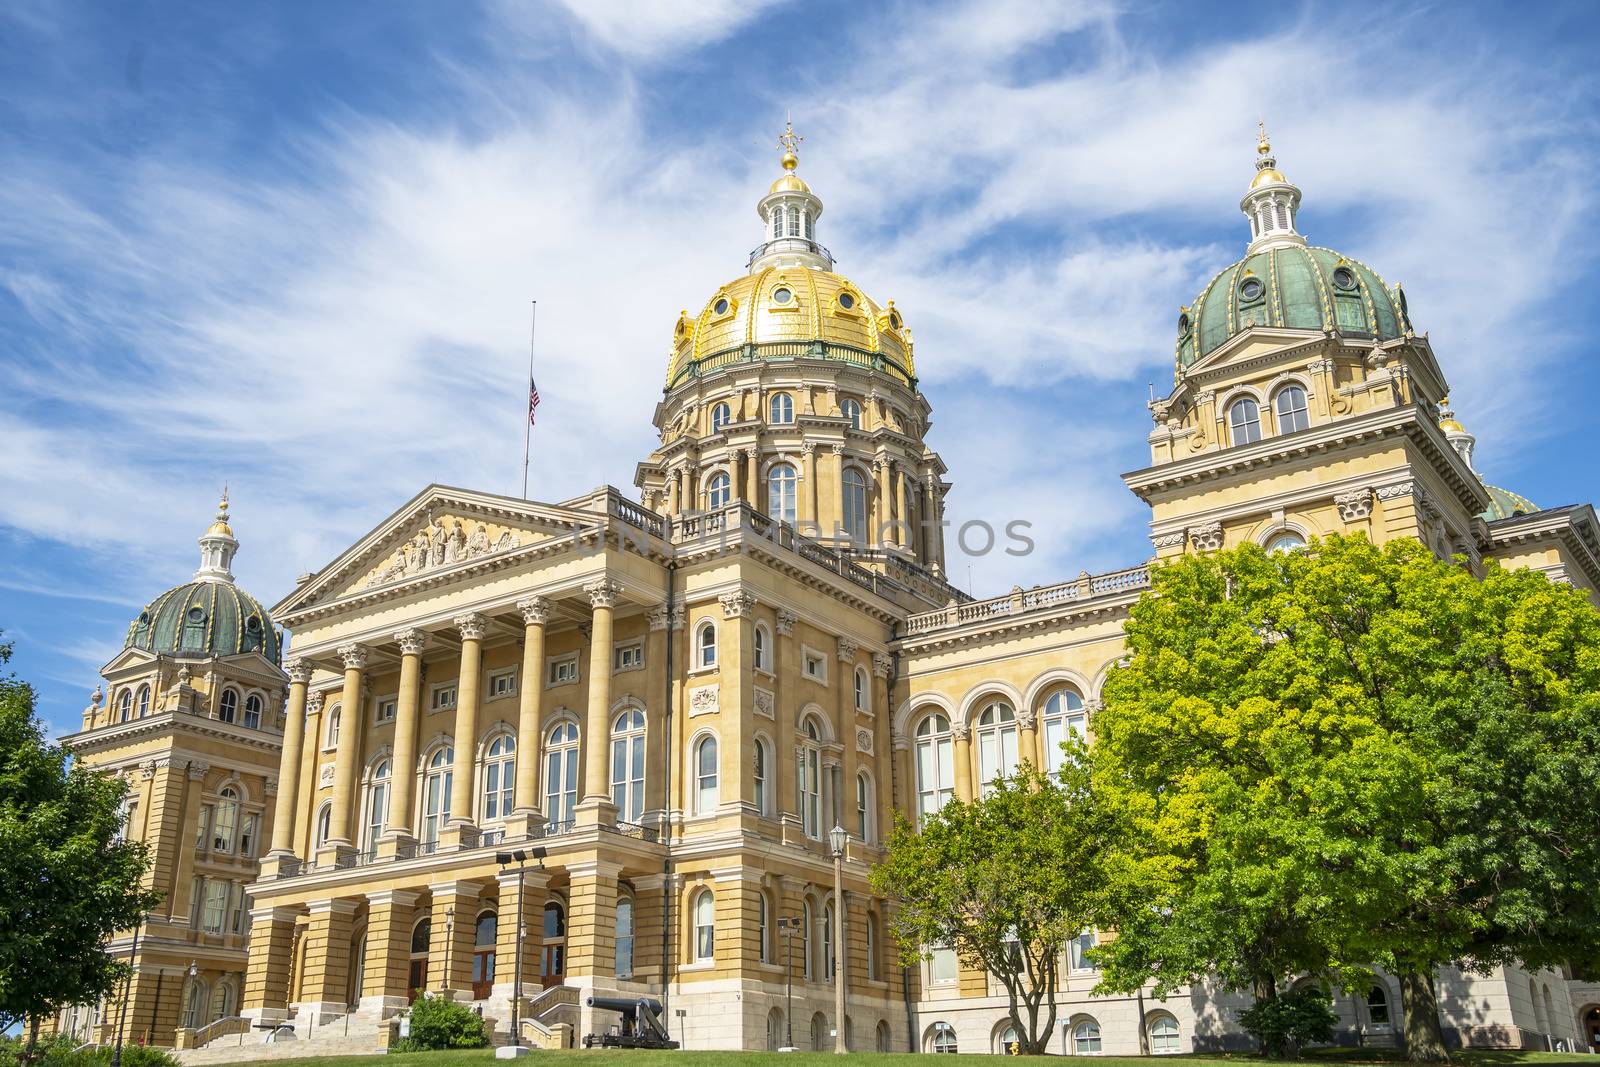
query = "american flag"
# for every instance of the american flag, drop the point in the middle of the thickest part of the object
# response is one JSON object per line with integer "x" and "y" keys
{"x": 533, "y": 400}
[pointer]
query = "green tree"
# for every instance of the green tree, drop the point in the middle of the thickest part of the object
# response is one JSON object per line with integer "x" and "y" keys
{"x": 1006, "y": 881}
{"x": 1326, "y": 760}
{"x": 67, "y": 882}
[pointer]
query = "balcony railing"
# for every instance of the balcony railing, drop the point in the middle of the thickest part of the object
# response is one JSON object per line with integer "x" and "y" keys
{"x": 771, "y": 351}
{"x": 1022, "y": 601}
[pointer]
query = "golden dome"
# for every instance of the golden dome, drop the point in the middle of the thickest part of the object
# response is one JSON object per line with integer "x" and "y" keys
{"x": 782, "y": 311}
{"x": 1268, "y": 176}
{"x": 789, "y": 183}
{"x": 1447, "y": 418}
{"x": 219, "y": 526}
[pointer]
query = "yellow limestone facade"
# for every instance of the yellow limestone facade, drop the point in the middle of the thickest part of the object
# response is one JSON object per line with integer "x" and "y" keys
{"x": 677, "y": 693}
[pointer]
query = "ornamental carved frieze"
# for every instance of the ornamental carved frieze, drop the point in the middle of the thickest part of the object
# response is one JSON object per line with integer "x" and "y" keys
{"x": 1207, "y": 538}
{"x": 864, "y": 741}
{"x": 1354, "y": 505}
{"x": 441, "y": 546}
{"x": 1168, "y": 540}
{"x": 765, "y": 703}
{"x": 705, "y": 700}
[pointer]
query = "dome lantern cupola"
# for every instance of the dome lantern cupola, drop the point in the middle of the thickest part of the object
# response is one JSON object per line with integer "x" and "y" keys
{"x": 789, "y": 214}
{"x": 1271, "y": 203}
{"x": 217, "y": 547}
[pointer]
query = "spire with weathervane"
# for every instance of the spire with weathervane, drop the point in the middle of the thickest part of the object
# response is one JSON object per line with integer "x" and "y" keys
{"x": 789, "y": 214}
{"x": 1271, "y": 203}
{"x": 217, "y": 547}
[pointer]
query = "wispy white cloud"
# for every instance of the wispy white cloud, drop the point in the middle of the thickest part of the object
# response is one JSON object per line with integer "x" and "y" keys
{"x": 644, "y": 29}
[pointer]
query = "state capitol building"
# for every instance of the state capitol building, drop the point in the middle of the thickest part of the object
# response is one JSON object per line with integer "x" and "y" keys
{"x": 676, "y": 691}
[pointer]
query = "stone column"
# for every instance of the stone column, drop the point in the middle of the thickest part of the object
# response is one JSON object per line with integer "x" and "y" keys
{"x": 592, "y": 919}
{"x": 901, "y": 513}
{"x": 847, "y": 737}
{"x": 932, "y": 531}
{"x": 1028, "y": 736}
{"x": 534, "y": 893}
{"x": 903, "y": 792}
{"x": 648, "y": 921}
{"x": 266, "y": 987}
{"x": 737, "y": 695}
{"x": 658, "y": 746}
{"x": 348, "y": 752}
{"x": 294, "y": 734}
{"x": 403, "y": 773}
{"x": 963, "y": 759}
{"x": 390, "y": 913}
{"x": 807, "y": 503}
{"x": 462, "y": 793}
{"x": 530, "y": 696}
{"x": 752, "y": 481}
{"x": 325, "y": 986}
{"x": 883, "y": 745}
{"x": 830, "y": 507}
{"x": 785, "y": 666}
{"x": 454, "y": 917}
{"x": 305, "y": 830}
{"x": 179, "y": 904}
{"x": 880, "y": 534}
{"x": 597, "y": 724}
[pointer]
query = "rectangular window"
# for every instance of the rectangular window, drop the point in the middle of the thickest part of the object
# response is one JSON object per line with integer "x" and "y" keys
{"x": 196, "y": 897}
{"x": 816, "y": 666}
{"x": 503, "y": 683}
{"x": 1080, "y": 947}
{"x": 386, "y": 709}
{"x": 443, "y": 698}
{"x": 216, "y": 906}
{"x": 562, "y": 670}
{"x": 200, "y": 831}
{"x": 942, "y": 969}
{"x": 236, "y": 914}
{"x": 247, "y": 837}
{"x": 628, "y": 657}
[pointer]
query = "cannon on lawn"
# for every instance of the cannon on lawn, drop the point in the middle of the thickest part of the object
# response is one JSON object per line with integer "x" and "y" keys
{"x": 641, "y": 1025}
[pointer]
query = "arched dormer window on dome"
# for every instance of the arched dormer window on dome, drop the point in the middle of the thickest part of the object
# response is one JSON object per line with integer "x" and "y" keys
{"x": 780, "y": 409}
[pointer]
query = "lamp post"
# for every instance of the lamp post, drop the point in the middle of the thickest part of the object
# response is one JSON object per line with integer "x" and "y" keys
{"x": 127, "y": 992}
{"x": 504, "y": 859}
{"x": 838, "y": 837}
{"x": 449, "y": 939}
{"x": 788, "y": 926}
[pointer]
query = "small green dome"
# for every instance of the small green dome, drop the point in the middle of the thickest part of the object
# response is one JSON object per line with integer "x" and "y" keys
{"x": 1503, "y": 504}
{"x": 205, "y": 618}
{"x": 1291, "y": 286}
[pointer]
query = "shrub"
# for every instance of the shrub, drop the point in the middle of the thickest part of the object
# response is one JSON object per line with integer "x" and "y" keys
{"x": 439, "y": 1022}
{"x": 57, "y": 1052}
{"x": 1290, "y": 1021}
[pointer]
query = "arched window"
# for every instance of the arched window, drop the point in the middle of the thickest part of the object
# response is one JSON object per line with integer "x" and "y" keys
{"x": 1164, "y": 1035}
{"x": 144, "y": 701}
{"x": 863, "y": 691}
{"x": 1285, "y": 541}
{"x": 624, "y": 932}
{"x": 1086, "y": 1038}
{"x": 221, "y": 1001}
{"x": 763, "y": 786}
{"x": 627, "y": 765}
{"x": 1378, "y": 1006}
{"x": 864, "y": 807}
{"x": 377, "y": 806}
{"x": 780, "y": 409}
{"x": 781, "y": 483}
{"x": 811, "y": 780}
{"x": 436, "y": 783}
{"x": 194, "y": 1004}
{"x": 1004, "y": 1039}
{"x": 827, "y": 968}
{"x": 777, "y": 223}
{"x": 705, "y": 929}
{"x": 942, "y": 1038}
{"x": 125, "y": 711}
{"x": 763, "y": 647}
{"x": 794, "y": 222}
{"x": 705, "y": 776}
{"x": 333, "y": 726}
{"x": 764, "y": 928}
{"x": 324, "y": 823}
{"x": 228, "y": 706}
{"x": 499, "y": 777}
{"x": 851, "y": 410}
{"x": 561, "y": 774}
{"x": 252, "y": 711}
{"x": 483, "y": 953}
{"x": 819, "y": 1032}
{"x": 1290, "y": 405}
{"x": 872, "y": 947}
{"x": 936, "y": 768}
{"x": 775, "y": 1030}
{"x": 997, "y": 744}
{"x": 1063, "y": 717}
{"x": 705, "y": 644}
{"x": 885, "y": 1039}
{"x": 719, "y": 490}
{"x": 721, "y": 415}
{"x": 855, "y": 505}
{"x": 1244, "y": 420}
{"x": 227, "y": 820}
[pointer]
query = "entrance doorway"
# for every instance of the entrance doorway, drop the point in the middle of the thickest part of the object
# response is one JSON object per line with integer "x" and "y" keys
{"x": 1591, "y": 1027}
{"x": 417, "y": 968}
{"x": 553, "y": 960}
{"x": 483, "y": 956}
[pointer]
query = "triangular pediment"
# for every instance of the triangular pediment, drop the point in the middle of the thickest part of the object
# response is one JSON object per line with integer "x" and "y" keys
{"x": 128, "y": 658}
{"x": 438, "y": 530}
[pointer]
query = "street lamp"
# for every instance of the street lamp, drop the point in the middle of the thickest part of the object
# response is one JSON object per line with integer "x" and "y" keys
{"x": 504, "y": 859}
{"x": 838, "y": 837}
{"x": 788, "y": 926}
{"x": 127, "y": 993}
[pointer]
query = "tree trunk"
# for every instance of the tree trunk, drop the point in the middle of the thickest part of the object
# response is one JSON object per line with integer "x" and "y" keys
{"x": 1424, "y": 1037}
{"x": 1265, "y": 990}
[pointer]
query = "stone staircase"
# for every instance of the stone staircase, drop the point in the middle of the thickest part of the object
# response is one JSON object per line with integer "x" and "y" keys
{"x": 348, "y": 1035}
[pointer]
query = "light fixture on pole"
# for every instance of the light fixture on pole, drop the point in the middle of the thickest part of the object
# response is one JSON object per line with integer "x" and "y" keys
{"x": 520, "y": 857}
{"x": 788, "y": 927}
{"x": 838, "y": 837}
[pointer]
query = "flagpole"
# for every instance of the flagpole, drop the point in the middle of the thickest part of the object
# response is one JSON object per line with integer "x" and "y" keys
{"x": 527, "y": 415}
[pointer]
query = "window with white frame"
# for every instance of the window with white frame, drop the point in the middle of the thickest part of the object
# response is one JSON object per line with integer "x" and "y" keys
{"x": 332, "y": 739}
{"x": 228, "y": 706}
{"x": 144, "y": 701}
{"x": 628, "y": 656}
{"x": 805, "y": 941}
{"x": 719, "y": 490}
{"x": 202, "y": 830}
{"x": 1164, "y": 1035}
{"x": 561, "y": 773}
{"x": 780, "y": 409}
{"x": 705, "y": 776}
{"x": 1285, "y": 541}
{"x": 855, "y": 505}
{"x": 252, "y": 711}
{"x": 125, "y": 711}
{"x": 705, "y": 644}
{"x": 561, "y": 670}
{"x": 1086, "y": 1038}
{"x": 763, "y": 927}
{"x": 437, "y": 781}
{"x": 705, "y": 929}
{"x": 627, "y": 764}
{"x": 827, "y": 968}
{"x": 216, "y": 906}
{"x": 502, "y": 683}
{"x": 1290, "y": 407}
{"x": 499, "y": 777}
{"x": 763, "y": 787}
{"x": 1244, "y": 421}
{"x": 815, "y": 665}
{"x": 624, "y": 937}
{"x": 721, "y": 416}
{"x": 385, "y": 710}
{"x": 442, "y": 697}
{"x": 942, "y": 966}
{"x": 377, "y": 806}
{"x": 810, "y": 779}
{"x": 762, "y": 643}
{"x": 1064, "y": 717}
{"x": 997, "y": 744}
{"x": 935, "y": 754}
{"x": 863, "y": 692}
{"x": 227, "y": 820}
{"x": 324, "y": 823}
{"x": 864, "y": 806}
{"x": 1080, "y": 947}
{"x": 851, "y": 409}
{"x": 942, "y": 1038}
{"x": 247, "y": 835}
{"x": 781, "y": 492}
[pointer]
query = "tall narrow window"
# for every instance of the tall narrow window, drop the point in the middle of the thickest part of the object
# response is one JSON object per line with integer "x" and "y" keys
{"x": 851, "y": 410}
{"x": 624, "y": 932}
{"x": 855, "y": 505}
{"x": 1063, "y": 717}
{"x": 780, "y": 409}
{"x": 805, "y": 940}
{"x": 561, "y": 774}
{"x": 863, "y": 806}
{"x": 721, "y": 415}
{"x": 436, "y": 784}
{"x": 872, "y": 947}
{"x": 1244, "y": 419}
{"x": 997, "y": 744}
{"x": 794, "y": 222}
{"x": 216, "y": 907}
{"x": 333, "y": 726}
{"x": 763, "y": 647}
{"x": 762, "y": 785}
{"x": 827, "y": 967}
{"x": 1291, "y": 407}
{"x": 144, "y": 701}
{"x": 705, "y": 776}
{"x": 228, "y": 706}
{"x": 499, "y": 777}
{"x": 705, "y": 644}
{"x": 719, "y": 491}
{"x": 863, "y": 691}
{"x": 227, "y": 820}
{"x": 627, "y": 765}
{"x": 252, "y": 711}
{"x": 377, "y": 806}
{"x": 811, "y": 781}
{"x": 247, "y": 835}
{"x": 935, "y": 764}
{"x": 764, "y": 928}
{"x": 126, "y": 711}
{"x": 781, "y": 482}
{"x": 705, "y": 930}
{"x": 324, "y": 824}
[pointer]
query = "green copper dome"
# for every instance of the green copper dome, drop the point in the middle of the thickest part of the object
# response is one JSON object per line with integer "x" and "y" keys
{"x": 1503, "y": 504}
{"x": 1291, "y": 286}
{"x": 205, "y": 618}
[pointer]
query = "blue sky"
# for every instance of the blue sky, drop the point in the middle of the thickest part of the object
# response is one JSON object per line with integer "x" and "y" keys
{"x": 291, "y": 247}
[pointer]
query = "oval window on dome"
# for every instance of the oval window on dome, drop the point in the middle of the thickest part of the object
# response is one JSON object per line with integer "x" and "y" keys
{"x": 781, "y": 296}
{"x": 721, "y": 306}
{"x": 1183, "y": 323}
{"x": 894, "y": 319}
{"x": 847, "y": 301}
{"x": 197, "y": 614}
{"x": 1251, "y": 289}
{"x": 1344, "y": 278}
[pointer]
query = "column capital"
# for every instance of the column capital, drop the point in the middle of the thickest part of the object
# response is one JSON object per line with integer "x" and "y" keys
{"x": 837, "y": 450}
{"x": 298, "y": 669}
{"x": 737, "y": 605}
{"x": 198, "y": 771}
{"x": 404, "y": 898}
{"x": 314, "y": 704}
{"x": 881, "y": 662}
{"x": 1026, "y": 718}
{"x": 535, "y": 610}
{"x": 786, "y": 621}
{"x": 603, "y": 593}
{"x": 750, "y": 454}
{"x": 411, "y": 640}
{"x": 900, "y": 741}
{"x": 808, "y": 447}
{"x": 961, "y": 731}
{"x": 473, "y": 625}
{"x": 354, "y": 656}
{"x": 847, "y": 650}
{"x": 660, "y": 618}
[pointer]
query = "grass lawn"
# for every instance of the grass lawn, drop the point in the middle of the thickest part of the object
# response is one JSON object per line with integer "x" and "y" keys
{"x": 620, "y": 1058}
